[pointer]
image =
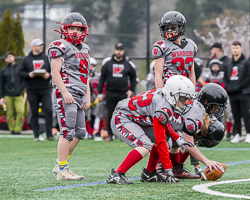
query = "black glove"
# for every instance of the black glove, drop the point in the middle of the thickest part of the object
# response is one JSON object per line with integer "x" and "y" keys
{"x": 170, "y": 176}
{"x": 181, "y": 142}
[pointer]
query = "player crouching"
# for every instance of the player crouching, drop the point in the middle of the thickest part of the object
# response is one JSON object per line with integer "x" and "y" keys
{"x": 145, "y": 119}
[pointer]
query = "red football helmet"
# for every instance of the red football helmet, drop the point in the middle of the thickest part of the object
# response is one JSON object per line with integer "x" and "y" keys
{"x": 73, "y": 19}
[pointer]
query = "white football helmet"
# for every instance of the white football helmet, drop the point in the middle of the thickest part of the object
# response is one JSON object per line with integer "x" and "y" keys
{"x": 93, "y": 61}
{"x": 179, "y": 88}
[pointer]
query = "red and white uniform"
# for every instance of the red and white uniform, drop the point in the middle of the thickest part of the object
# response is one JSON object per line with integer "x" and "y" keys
{"x": 178, "y": 58}
{"x": 145, "y": 119}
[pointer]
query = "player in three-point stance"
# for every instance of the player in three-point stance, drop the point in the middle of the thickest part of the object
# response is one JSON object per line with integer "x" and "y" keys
{"x": 69, "y": 58}
{"x": 145, "y": 119}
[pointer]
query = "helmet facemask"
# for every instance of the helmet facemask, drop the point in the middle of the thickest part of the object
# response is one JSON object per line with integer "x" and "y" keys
{"x": 215, "y": 110}
{"x": 185, "y": 100}
{"x": 171, "y": 35}
{"x": 74, "y": 37}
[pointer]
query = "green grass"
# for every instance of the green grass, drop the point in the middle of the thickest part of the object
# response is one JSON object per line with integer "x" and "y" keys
{"x": 26, "y": 167}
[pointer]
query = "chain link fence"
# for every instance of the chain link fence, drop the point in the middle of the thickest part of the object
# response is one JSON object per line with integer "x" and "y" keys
{"x": 223, "y": 26}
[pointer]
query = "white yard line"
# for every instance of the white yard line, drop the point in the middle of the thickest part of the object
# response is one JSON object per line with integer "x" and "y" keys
{"x": 204, "y": 188}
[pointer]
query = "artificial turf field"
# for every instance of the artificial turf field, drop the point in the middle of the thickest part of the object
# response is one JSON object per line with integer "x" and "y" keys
{"x": 26, "y": 168}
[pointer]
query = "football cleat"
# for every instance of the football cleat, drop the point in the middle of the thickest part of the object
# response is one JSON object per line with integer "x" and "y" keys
{"x": 154, "y": 176}
{"x": 181, "y": 173}
{"x": 197, "y": 171}
{"x": 247, "y": 140}
{"x": 237, "y": 138}
{"x": 118, "y": 178}
{"x": 65, "y": 174}
{"x": 98, "y": 137}
{"x": 56, "y": 168}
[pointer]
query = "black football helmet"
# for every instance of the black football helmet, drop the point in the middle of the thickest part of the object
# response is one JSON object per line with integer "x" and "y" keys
{"x": 73, "y": 19}
{"x": 172, "y": 18}
{"x": 214, "y": 99}
{"x": 214, "y": 135}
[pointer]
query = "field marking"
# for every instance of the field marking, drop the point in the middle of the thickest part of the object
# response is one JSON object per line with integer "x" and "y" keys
{"x": 204, "y": 188}
{"x": 16, "y": 136}
{"x": 103, "y": 182}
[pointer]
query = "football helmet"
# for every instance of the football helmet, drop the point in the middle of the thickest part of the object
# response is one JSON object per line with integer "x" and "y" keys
{"x": 215, "y": 62}
{"x": 214, "y": 99}
{"x": 152, "y": 67}
{"x": 93, "y": 64}
{"x": 172, "y": 18}
{"x": 179, "y": 88}
{"x": 215, "y": 134}
{"x": 73, "y": 19}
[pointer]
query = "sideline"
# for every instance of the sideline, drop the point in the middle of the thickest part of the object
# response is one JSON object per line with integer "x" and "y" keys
{"x": 103, "y": 182}
{"x": 204, "y": 188}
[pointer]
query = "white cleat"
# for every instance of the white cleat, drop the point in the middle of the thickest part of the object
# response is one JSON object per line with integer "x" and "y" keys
{"x": 56, "y": 168}
{"x": 247, "y": 140}
{"x": 237, "y": 138}
{"x": 65, "y": 174}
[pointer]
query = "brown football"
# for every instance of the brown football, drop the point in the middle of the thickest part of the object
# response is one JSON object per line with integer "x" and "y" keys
{"x": 213, "y": 175}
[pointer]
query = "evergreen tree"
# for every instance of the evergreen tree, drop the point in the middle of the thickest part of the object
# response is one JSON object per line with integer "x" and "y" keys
{"x": 7, "y": 33}
{"x": 19, "y": 37}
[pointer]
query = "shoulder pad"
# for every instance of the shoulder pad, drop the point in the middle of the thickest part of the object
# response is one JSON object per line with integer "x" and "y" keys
{"x": 84, "y": 46}
{"x": 193, "y": 43}
{"x": 163, "y": 115}
{"x": 56, "y": 49}
{"x": 192, "y": 126}
{"x": 158, "y": 49}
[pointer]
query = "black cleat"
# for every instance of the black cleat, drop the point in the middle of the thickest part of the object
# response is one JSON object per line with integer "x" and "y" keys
{"x": 152, "y": 176}
{"x": 118, "y": 178}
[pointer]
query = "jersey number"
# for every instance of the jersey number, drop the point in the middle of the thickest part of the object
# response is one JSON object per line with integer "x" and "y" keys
{"x": 84, "y": 70}
{"x": 138, "y": 99}
{"x": 181, "y": 64}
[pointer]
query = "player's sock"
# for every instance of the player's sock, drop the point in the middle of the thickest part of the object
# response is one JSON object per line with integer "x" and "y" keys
{"x": 92, "y": 130}
{"x": 174, "y": 157}
{"x": 229, "y": 126}
{"x": 62, "y": 164}
{"x": 88, "y": 126}
{"x": 68, "y": 158}
{"x": 153, "y": 159}
{"x": 183, "y": 157}
{"x": 105, "y": 123}
{"x": 132, "y": 158}
{"x": 100, "y": 127}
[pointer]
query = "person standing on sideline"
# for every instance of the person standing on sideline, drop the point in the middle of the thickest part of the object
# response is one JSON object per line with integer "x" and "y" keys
{"x": 116, "y": 72}
{"x": 35, "y": 69}
{"x": 237, "y": 85}
{"x": 217, "y": 52}
{"x": 11, "y": 87}
{"x": 70, "y": 64}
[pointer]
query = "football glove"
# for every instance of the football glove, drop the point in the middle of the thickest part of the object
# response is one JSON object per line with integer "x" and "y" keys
{"x": 169, "y": 176}
{"x": 181, "y": 142}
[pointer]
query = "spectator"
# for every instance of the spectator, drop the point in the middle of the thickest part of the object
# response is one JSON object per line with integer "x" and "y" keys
{"x": 237, "y": 85}
{"x": 11, "y": 87}
{"x": 116, "y": 73}
{"x": 217, "y": 52}
{"x": 35, "y": 69}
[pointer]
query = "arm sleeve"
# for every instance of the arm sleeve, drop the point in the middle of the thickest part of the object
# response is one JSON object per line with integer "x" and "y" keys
{"x": 161, "y": 143}
{"x": 102, "y": 79}
{"x": 132, "y": 78}
{"x": 1, "y": 84}
{"x": 23, "y": 73}
{"x": 246, "y": 80}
